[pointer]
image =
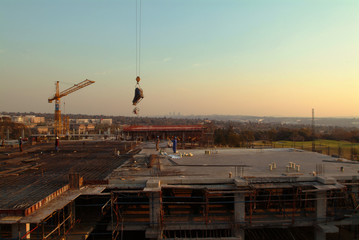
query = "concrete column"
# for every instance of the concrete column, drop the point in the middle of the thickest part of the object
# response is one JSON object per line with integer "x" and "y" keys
{"x": 321, "y": 214}
{"x": 239, "y": 215}
{"x": 155, "y": 209}
{"x": 355, "y": 190}
{"x": 355, "y": 187}
{"x": 321, "y": 206}
{"x": 75, "y": 181}
{"x": 320, "y": 235}
{"x": 154, "y": 232}
{"x": 20, "y": 229}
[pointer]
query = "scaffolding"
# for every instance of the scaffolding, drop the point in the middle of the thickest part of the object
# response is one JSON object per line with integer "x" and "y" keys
{"x": 195, "y": 211}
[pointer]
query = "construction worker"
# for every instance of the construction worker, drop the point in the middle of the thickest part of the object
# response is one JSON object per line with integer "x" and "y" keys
{"x": 57, "y": 143}
{"x": 20, "y": 144}
{"x": 158, "y": 143}
{"x": 174, "y": 144}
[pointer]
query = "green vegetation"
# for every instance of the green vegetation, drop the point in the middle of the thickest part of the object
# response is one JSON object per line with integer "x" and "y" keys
{"x": 318, "y": 143}
{"x": 336, "y": 141}
{"x": 343, "y": 149}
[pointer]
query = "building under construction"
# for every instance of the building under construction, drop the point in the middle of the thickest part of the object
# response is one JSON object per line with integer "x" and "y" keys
{"x": 127, "y": 190}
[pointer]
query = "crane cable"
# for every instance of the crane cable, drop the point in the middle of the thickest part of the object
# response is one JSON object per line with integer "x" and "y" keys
{"x": 138, "y": 90}
{"x": 138, "y": 36}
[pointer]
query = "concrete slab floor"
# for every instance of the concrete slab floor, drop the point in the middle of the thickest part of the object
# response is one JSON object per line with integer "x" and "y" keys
{"x": 221, "y": 162}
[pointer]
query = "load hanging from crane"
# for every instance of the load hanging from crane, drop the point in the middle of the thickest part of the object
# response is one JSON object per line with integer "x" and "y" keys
{"x": 138, "y": 95}
{"x": 138, "y": 92}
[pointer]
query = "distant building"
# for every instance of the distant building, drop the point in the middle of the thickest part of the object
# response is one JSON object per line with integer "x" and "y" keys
{"x": 33, "y": 119}
{"x": 42, "y": 129}
{"x": 82, "y": 128}
{"x": 38, "y": 120}
{"x": 86, "y": 120}
{"x": 81, "y": 121}
{"x": 28, "y": 119}
{"x": 4, "y": 118}
{"x": 90, "y": 127}
{"x": 86, "y": 128}
{"x": 107, "y": 121}
{"x": 18, "y": 119}
{"x": 94, "y": 120}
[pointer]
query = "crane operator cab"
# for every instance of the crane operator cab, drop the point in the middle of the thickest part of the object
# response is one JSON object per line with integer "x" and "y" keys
{"x": 138, "y": 95}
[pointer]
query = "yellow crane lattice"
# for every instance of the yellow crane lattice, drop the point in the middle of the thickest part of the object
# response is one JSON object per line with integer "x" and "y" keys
{"x": 58, "y": 95}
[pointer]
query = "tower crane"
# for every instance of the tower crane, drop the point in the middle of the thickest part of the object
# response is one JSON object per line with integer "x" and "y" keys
{"x": 58, "y": 95}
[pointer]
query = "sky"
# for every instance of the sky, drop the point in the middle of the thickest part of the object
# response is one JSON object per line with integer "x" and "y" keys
{"x": 196, "y": 57}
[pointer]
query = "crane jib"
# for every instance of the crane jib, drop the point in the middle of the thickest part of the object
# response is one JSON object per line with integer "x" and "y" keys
{"x": 58, "y": 125}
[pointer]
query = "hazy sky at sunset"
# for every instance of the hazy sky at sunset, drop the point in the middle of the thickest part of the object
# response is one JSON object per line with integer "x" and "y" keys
{"x": 237, "y": 57}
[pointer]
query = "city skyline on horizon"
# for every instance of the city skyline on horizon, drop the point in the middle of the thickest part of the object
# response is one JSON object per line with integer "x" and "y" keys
{"x": 247, "y": 58}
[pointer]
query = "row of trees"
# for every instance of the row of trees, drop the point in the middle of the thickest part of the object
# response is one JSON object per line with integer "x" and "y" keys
{"x": 231, "y": 133}
{"x": 12, "y": 130}
{"x": 243, "y": 136}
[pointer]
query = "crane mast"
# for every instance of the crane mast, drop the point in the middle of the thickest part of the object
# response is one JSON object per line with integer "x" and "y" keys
{"x": 58, "y": 95}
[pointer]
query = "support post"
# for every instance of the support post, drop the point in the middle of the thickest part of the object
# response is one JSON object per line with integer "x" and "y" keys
{"x": 153, "y": 188}
{"x": 319, "y": 234}
{"x": 321, "y": 214}
{"x": 43, "y": 230}
{"x": 64, "y": 219}
{"x": 73, "y": 213}
{"x": 239, "y": 215}
{"x": 59, "y": 222}
{"x": 321, "y": 206}
{"x": 155, "y": 231}
{"x": 18, "y": 230}
{"x": 75, "y": 181}
{"x": 355, "y": 187}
